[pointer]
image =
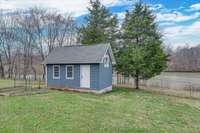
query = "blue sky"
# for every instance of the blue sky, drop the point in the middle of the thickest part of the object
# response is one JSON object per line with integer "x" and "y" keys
{"x": 178, "y": 20}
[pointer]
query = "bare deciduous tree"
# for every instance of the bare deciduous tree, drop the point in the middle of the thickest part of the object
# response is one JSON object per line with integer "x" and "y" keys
{"x": 27, "y": 34}
{"x": 185, "y": 59}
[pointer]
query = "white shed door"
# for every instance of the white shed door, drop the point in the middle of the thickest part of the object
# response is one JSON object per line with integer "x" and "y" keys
{"x": 85, "y": 76}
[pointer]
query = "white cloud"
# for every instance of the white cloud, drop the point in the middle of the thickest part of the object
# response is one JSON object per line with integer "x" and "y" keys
{"x": 167, "y": 18}
{"x": 166, "y": 23}
{"x": 192, "y": 29}
{"x": 195, "y": 6}
{"x": 77, "y": 7}
{"x": 172, "y": 23}
{"x": 182, "y": 34}
{"x": 156, "y": 7}
{"x": 176, "y": 16}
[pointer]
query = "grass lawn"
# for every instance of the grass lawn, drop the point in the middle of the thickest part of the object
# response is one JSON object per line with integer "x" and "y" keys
{"x": 6, "y": 83}
{"x": 121, "y": 111}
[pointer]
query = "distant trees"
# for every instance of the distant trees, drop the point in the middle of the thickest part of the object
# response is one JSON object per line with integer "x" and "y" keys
{"x": 26, "y": 35}
{"x": 185, "y": 59}
{"x": 141, "y": 55}
{"x": 7, "y": 45}
{"x": 100, "y": 27}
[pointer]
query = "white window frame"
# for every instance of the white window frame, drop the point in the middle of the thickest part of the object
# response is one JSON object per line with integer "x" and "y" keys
{"x": 72, "y": 72}
{"x": 107, "y": 64}
{"x": 58, "y": 71}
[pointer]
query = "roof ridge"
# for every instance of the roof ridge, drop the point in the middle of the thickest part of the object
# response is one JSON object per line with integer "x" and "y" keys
{"x": 78, "y": 54}
{"x": 82, "y": 45}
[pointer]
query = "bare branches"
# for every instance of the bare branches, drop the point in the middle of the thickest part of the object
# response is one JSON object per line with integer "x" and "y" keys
{"x": 7, "y": 45}
{"x": 185, "y": 59}
{"x": 60, "y": 30}
{"x": 27, "y": 34}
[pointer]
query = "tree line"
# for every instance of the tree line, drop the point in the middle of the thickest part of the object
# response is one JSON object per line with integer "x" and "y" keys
{"x": 184, "y": 59}
{"x": 27, "y": 36}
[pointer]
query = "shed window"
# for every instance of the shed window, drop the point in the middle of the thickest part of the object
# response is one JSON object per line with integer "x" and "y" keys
{"x": 106, "y": 61}
{"x": 56, "y": 71}
{"x": 69, "y": 72}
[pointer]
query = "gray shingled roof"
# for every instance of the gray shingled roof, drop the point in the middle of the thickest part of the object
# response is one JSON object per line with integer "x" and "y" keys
{"x": 79, "y": 54}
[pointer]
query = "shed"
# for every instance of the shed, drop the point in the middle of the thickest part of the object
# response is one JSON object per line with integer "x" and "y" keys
{"x": 81, "y": 68}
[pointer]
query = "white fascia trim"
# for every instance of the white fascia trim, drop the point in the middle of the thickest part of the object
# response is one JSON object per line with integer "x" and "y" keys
{"x": 113, "y": 62}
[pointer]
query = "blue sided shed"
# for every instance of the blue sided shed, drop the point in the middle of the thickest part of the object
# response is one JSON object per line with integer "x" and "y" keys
{"x": 81, "y": 68}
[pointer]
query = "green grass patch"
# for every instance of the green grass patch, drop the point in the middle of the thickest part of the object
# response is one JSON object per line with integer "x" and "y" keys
{"x": 6, "y": 83}
{"x": 120, "y": 111}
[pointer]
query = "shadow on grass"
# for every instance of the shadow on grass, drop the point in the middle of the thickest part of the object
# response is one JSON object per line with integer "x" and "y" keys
{"x": 128, "y": 90}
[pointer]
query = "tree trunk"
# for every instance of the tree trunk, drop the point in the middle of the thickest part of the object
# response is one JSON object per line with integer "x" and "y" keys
{"x": 2, "y": 68}
{"x": 34, "y": 70}
{"x": 137, "y": 80}
{"x": 12, "y": 66}
{"x": 9, "y": 70}
{"x": 35, "y": 74}
{"x": 44, "y": 72}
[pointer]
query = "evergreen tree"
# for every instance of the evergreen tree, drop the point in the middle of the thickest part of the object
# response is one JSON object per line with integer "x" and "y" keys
{"x": 113, "y": 34}
{"x": 141, "y": 55}
{"x": 100, "y": 25}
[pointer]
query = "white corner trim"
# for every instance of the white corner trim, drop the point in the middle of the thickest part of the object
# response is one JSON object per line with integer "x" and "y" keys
{"x": 106, "y": 64}
{"x": 110, "y": 54}
{"x": 104, "y": 55}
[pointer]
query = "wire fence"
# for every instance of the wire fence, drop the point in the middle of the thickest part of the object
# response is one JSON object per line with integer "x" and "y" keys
{"x": 170, "y": 86}
{"x": 19, "y": 86}
{"x": 176, "y": 87}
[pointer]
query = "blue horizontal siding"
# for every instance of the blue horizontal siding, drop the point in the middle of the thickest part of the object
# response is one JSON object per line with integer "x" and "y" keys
{"x": 63, "y": 82}
{"x": 100, "y": 76}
